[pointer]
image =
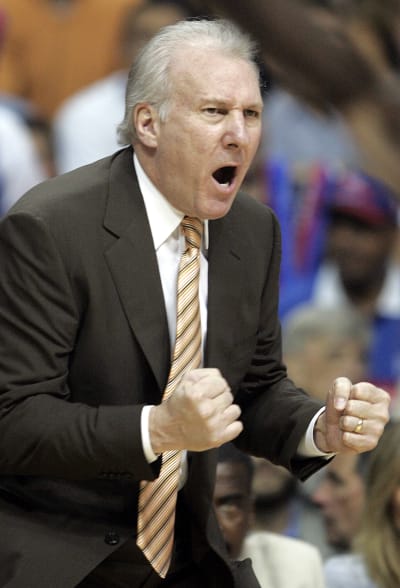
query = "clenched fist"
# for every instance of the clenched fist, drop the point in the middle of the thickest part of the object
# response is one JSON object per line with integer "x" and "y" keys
{"x": 199, "y": 414}
{"x": 354, "y": 418}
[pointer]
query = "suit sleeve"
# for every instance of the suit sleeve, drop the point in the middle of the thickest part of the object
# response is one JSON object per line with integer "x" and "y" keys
{"x": 42, "y": 432}
{"x": 275, "y": 413}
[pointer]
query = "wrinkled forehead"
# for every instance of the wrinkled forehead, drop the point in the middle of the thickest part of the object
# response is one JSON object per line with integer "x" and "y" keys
{"x": 211, "y": 71}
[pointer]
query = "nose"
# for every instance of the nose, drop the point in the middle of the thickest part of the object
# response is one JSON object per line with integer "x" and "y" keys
{"x": 236, "y": 133}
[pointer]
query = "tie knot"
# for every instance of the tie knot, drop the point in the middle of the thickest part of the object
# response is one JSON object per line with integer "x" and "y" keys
{"x": 192, "y": 229}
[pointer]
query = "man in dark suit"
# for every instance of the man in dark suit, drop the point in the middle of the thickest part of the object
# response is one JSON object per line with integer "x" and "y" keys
{"x": 87, "y": 319}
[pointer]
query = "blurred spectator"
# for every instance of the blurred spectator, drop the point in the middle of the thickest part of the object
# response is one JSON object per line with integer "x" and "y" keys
{"x": 320, "y": 343}
{"x": 42, "y": 135}
{"x": 339, "y": 494}
{"x": 275, "y": 498}
{"x": 85, "y": 125}
{"x": 278, "y": 562}
{"x": 54, "y": 47}
{"x": 283, "y": 505}
{"x": 375, "y": 561}
{"x": 20, "y": 167}
{"x": 357, "y": 271}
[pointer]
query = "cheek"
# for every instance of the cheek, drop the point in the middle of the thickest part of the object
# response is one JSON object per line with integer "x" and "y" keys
{"x": 227, "y": 527}
{"x": 351, "y": 504}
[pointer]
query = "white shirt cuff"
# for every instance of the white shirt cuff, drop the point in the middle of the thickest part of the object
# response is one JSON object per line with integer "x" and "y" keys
{"x": 148, "y": 450}
{"x": 307, "y": 447}
{"x": 144, "y": 430}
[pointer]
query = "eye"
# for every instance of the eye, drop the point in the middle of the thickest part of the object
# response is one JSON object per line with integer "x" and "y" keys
{"x": 214, "y": 111}
{"x": 249, "y": 113}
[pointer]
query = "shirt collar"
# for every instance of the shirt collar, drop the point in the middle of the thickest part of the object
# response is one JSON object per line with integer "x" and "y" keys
{"x": 164, "y": 219}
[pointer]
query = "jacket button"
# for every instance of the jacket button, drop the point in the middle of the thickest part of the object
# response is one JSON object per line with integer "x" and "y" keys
{"x": 111, "y": 538}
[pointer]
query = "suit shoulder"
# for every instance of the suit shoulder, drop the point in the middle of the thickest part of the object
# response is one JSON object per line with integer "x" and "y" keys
{"x": 253, "y": 222}
{"x": 80, "y": 190}
{"x": 247, "y": 204}
{"x": 66, "y": 191}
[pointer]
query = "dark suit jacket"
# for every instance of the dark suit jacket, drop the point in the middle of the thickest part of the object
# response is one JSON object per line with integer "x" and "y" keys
{"x": 84, "y": 345}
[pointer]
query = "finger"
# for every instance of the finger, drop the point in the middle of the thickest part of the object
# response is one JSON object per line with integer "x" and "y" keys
{"x": 361, "y": 442}
{"x": 359, "y": 408}
{"x": 222, "y": 401}
{"x": 220, "y": 414}
{"x": 206, "y": 386}
{"x": 232, "y": 431}
{"x": 211, "y": 386}
{"x": 368, "y": 410}
{"x": 369, "y": 393}
{"x": 361, "y": 434}
{"x": 336, "y": 401}
{"x": 341, "y": 391}
{"x": 232, "y": 413}
{"x": 199, "y": 373}
{"x": 354, "y": 424}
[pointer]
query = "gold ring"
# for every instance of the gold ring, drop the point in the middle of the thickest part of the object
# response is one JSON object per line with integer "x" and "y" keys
{"x": 359, "y": 426}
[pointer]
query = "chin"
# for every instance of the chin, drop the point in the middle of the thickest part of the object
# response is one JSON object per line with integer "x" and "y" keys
{"x": 215, "y": 210}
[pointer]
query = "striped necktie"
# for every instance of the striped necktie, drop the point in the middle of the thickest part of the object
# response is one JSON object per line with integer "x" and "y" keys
{"x": 157, "y": 499}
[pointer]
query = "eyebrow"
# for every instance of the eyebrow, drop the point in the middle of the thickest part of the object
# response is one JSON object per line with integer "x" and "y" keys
{"x": 226, "y": 103}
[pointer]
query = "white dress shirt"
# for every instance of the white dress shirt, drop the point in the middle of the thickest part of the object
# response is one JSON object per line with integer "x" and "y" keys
{"x": 169, "y": 243}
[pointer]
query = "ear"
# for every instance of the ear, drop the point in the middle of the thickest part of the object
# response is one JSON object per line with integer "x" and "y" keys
{"x": 145, "y": 121}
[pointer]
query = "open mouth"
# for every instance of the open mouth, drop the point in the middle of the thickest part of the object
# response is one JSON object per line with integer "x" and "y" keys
{"x": 225, "y": 175}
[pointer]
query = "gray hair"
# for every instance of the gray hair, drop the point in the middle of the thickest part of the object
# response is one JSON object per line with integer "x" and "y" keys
{"x": 309, "y": 322}
{"x": 149, "y": 76}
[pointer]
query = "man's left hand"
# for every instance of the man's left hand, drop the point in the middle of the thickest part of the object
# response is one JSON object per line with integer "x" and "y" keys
{"x": 354, "y": 418}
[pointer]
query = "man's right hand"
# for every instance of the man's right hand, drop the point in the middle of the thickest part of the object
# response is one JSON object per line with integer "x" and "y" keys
{"x": 199, "y": 414}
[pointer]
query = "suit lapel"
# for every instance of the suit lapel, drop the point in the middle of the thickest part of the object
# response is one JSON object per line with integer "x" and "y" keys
{"x": 133, "y": 265}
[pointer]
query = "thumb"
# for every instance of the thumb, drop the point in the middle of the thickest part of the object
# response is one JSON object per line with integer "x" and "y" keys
{"x": 337, "y": 399}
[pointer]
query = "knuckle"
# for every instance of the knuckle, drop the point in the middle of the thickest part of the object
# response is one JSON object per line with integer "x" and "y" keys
{"x": 205, "y": 410}
{"x": 350, "y": 407}
{"x": 377, "y": 428}
{"x": 228, "y": 395}
{"x": 347, "y": 422}
{"x": 237, "y": 410}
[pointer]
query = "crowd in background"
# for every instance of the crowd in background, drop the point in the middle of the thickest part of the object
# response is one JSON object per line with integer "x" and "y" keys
{"x": 63, "y": 66}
